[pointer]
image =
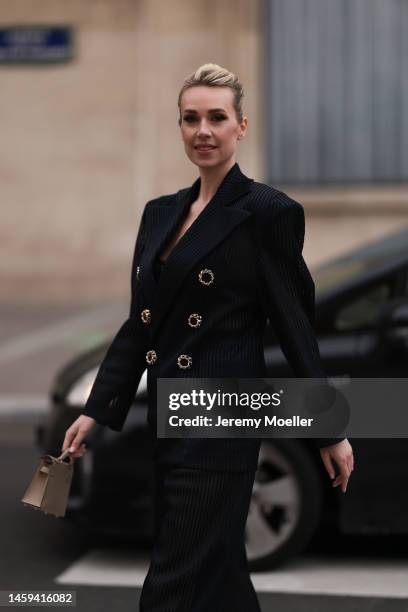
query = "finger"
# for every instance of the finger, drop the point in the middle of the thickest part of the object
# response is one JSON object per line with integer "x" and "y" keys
{"x": 344, "y": 485}
{"x": 349, "y": 462}
{"x": 328, "y": 464}
{"x": 79, "y": 452}
{"x": 344, "y": 468}
{"x": 69, "y": 436}
{"x": 76, "y": 442}
{"x": 340, "y": 480}
{"x": 337, "y": 481}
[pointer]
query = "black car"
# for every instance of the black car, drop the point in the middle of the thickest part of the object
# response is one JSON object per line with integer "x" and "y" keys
{"x": 362, "y": 329}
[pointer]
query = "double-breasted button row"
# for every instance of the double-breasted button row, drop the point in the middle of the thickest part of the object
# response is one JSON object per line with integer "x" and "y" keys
{"x": 194, "y": 320}
{"x": 206, "y": 277}
{"x": 138, "y": 274}
{"x": 183, "y": 361}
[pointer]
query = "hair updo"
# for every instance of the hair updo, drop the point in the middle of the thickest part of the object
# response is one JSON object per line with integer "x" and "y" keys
{"x": 214, "y": 75}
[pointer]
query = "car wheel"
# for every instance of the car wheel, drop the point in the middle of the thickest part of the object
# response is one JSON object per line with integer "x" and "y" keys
{"x": 286, "y": 504}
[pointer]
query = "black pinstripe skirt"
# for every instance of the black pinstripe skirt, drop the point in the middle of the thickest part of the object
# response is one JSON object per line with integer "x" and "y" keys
{"x": 198, "y": 561}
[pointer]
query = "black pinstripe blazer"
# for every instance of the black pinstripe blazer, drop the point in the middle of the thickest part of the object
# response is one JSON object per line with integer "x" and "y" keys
{"x": 238, "y": 263}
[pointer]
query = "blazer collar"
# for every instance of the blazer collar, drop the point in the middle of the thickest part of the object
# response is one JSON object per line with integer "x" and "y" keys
{"x": 220, "y": 216}
{"x": 232, "y": 185}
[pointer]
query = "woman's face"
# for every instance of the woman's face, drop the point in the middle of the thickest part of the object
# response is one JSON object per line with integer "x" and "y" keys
{"x": 208, "y": 118}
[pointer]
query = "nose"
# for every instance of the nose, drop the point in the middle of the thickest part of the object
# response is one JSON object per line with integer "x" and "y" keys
{"x": 203, "y": 128}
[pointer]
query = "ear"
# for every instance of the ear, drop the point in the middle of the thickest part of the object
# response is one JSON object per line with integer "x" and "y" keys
{"x": 243, "y": 128}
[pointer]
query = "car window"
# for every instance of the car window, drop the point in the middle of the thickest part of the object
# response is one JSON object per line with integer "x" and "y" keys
{"x": 363, "y": 311}
{"x": 366, "y": 258}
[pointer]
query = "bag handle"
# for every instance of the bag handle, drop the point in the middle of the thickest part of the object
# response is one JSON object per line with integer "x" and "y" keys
{"x": 65, "y": 454}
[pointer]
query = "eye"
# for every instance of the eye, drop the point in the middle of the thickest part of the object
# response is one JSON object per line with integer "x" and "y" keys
{"x": 192, "y": 118}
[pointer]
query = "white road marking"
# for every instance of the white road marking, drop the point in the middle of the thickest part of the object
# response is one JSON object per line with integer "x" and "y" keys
{"x": 106, "y": 567}
{"x": 31, "y": 342}
{"x": 349, "y": 577}
{"x": 319, "y": 576}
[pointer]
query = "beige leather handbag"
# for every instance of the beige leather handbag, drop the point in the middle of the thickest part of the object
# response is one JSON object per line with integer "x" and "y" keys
{"x": 49, "y": 489}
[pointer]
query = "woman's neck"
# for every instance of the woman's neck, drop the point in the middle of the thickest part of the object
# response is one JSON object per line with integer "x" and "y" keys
{"x": 211, "y": 179}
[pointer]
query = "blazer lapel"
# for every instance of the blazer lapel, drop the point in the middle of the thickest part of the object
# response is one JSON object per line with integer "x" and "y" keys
{"x": 220, "y": 216}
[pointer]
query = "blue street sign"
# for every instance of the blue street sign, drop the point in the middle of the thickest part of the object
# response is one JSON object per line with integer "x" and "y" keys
{"x": 32, "y": 44}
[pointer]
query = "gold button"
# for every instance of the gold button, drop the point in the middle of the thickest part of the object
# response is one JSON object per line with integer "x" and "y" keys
{"x": 146, "y": 315}
{"x": 184, "y": 361}
{"x": 138, "y": 273}
{"x": 151, "y": 357}
{"x": 194, "y": 320}
{"x": 206, "y": 276}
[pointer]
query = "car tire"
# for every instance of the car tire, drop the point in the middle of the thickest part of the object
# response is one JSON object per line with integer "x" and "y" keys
{"x": 286, "y": 504}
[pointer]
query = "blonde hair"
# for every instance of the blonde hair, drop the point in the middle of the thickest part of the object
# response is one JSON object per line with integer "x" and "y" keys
{"x": 214, "y": 75}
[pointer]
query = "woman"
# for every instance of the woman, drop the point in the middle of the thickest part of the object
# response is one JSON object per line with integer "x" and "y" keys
{"x": 211, "y": 263}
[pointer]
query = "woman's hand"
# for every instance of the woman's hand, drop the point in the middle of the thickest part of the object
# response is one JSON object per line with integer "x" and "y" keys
{"x": 342, "y": 453}
{"x": 76, "y": 433}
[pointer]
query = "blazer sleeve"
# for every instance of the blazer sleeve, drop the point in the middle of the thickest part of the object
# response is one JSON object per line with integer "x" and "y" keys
{"x": 287, "y": 289}
{"x": 122, "y": 367}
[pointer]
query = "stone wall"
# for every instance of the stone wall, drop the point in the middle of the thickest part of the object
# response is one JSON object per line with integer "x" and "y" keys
{"x": 87, "y": 143}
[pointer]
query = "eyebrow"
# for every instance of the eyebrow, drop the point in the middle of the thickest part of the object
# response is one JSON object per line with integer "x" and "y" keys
{"x": 212, "y": 110}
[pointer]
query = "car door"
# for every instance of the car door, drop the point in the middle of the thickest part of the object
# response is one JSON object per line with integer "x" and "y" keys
{"x": 349, "y": 334}
{"x": 374, "y": 503}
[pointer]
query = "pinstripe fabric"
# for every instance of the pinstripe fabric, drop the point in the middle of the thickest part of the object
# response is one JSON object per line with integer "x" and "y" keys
{"x": 198, "y": 561}
{"x": 251, "y": 237}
